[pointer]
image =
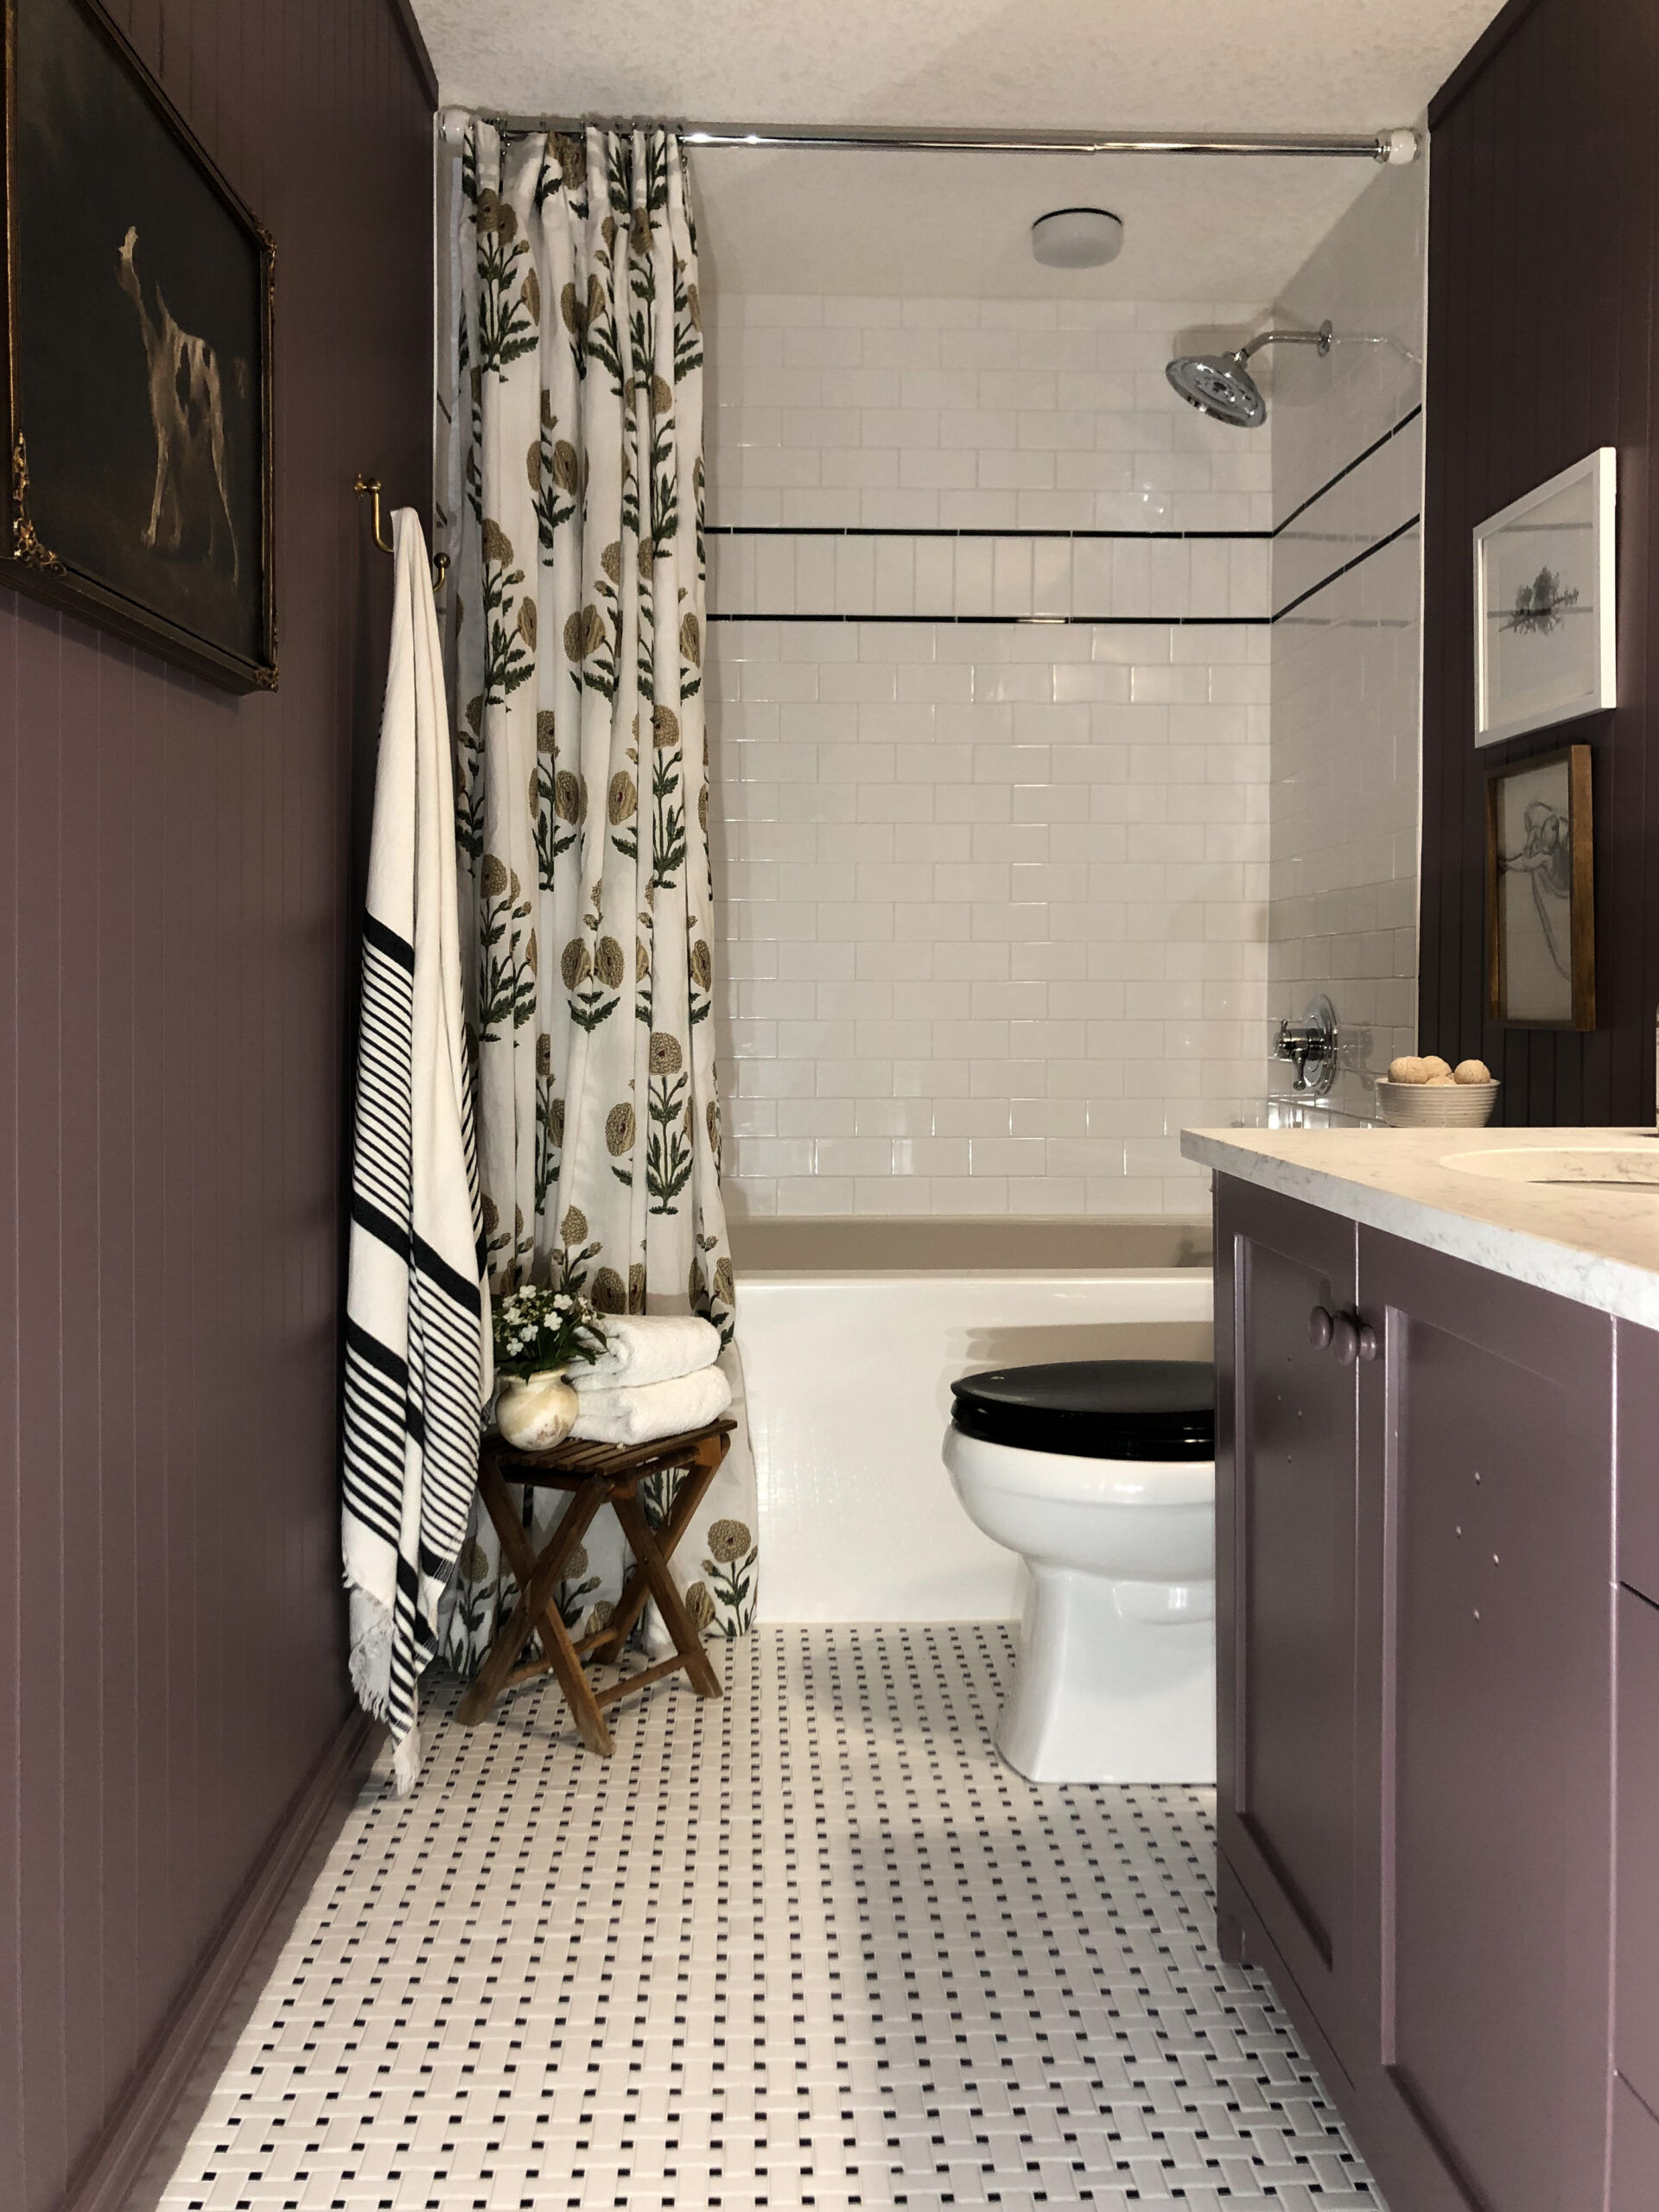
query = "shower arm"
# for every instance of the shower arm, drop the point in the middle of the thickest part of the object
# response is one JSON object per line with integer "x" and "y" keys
{"x": 1321, "y": 338}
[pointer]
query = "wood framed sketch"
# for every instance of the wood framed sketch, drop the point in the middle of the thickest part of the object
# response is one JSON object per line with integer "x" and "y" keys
{"x": 1544, "y": 604}
{"x": 1540, "y": 953}
{"x": 139, "y": 321}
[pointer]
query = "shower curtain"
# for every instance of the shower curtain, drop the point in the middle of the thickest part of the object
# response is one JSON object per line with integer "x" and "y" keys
{"x": 570, "y": 493}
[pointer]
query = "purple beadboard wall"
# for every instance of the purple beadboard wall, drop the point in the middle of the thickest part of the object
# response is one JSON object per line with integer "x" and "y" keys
{"x": 176, "y": 935}
{"x": 1543, "y": 198}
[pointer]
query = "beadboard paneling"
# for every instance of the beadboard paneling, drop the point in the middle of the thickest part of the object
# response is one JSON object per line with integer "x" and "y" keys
{"x": 176, "y": 943}
{"x": 1544, "y": 165}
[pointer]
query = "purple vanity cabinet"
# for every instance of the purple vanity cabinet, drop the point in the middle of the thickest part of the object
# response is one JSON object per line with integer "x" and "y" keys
{"x": 1636, "y": 1955}
{"x": 1486, "y": 1473}
{"x": 1285, "y": 1526}
{"x": 1636, "y": 2153}
{"x": 1636, "y": 1948}
{"x": 1418, "y": 1626}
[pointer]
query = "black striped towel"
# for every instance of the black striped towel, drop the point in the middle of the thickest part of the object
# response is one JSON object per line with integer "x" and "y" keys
{"x": 418, "y": 1366}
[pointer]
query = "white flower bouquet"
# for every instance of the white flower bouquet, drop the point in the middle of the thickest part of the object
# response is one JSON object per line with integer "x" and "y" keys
{"x": 539, "y": 1330}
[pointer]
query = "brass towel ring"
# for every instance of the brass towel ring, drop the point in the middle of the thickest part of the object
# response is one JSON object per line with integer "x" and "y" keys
{"x": 369, "y": 487}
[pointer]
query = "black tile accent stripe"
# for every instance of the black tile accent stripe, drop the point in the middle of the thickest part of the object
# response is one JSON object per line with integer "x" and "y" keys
{"x": 895, "y": 530}
{"x": 1028, "y": 621}
{"x": 1347, "y": 569}
{"x": 1358, "y": 462}
{"x": 1103, "y": 621}
{"x": 1177, "y": 537}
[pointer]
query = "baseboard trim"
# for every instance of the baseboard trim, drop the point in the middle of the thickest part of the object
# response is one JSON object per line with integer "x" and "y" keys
{"x": 109, "y": 2170}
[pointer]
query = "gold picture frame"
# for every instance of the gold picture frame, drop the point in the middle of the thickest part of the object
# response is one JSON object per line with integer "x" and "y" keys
{"x": 1541, "y": 946}
{"x": 139, "y": 313}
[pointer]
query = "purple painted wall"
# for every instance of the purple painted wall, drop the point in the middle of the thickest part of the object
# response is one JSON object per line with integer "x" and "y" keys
{"x": 1543, "y": 293}
{"x": 175, "y": 929}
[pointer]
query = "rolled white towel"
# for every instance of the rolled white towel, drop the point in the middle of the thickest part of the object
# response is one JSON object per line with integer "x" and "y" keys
{"x": 642, "y": 1412}
{"x": 646, "y": 1348}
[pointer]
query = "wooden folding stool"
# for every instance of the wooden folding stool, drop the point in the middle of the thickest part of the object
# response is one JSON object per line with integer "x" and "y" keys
{"x": 593, "y": 1475}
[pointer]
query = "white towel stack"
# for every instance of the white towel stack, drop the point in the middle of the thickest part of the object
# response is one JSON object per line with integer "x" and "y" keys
{"x": 657, "y": 1376}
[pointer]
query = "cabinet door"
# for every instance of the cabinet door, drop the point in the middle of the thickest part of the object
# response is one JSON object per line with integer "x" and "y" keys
{"x": 1635, "y": 1956}
{"x": 1636, "y": 2153}
{"x": 1636, "y": 2030}
{"x": 1487, "y": 1480}
{"x": 1285, "y": 1538}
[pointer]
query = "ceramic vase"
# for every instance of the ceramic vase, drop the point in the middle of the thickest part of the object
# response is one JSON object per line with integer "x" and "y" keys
{"x": 536, "y": 1411}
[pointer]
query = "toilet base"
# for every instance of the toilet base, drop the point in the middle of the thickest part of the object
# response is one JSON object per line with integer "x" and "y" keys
{"x": 1116, "y": 1681}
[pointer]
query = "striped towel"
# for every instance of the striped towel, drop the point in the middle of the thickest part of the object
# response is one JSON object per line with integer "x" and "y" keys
{"x": 418, "y": 1365}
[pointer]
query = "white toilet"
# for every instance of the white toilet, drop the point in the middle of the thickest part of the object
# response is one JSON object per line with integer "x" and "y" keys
{"x": 1101, "y": 1474}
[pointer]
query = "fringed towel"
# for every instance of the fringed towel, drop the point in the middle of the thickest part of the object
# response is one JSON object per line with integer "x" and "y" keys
{"x": 418, "y": 1366}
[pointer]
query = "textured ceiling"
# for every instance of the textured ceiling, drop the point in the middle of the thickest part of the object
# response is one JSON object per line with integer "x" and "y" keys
{"x": 942, "y": 223}
{"x": 1219, "y": 65}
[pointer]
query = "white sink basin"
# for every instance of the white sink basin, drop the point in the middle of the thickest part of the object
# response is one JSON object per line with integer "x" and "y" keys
{"x": 1625, "y": 1166}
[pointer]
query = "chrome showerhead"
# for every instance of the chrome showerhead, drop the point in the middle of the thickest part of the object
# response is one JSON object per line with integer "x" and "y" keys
{"x": 1221, "y": 384}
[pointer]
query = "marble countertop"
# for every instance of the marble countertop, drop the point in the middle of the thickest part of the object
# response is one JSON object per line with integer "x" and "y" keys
{"x": 1599, "y": 1247}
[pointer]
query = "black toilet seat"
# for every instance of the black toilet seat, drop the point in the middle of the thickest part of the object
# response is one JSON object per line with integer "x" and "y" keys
{"x": 1094, "y": 1409}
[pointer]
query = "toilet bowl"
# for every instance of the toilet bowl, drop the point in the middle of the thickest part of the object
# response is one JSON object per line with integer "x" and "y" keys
{"x": 1101, "y": 1475}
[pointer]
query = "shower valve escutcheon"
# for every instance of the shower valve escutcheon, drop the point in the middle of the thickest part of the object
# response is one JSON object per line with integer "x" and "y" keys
{"x": 1310, "y": 1045}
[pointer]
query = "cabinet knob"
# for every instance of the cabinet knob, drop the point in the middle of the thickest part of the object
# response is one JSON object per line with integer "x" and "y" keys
{"x": 1352, "y": 1338}
{"x": 1320, "y": 1327}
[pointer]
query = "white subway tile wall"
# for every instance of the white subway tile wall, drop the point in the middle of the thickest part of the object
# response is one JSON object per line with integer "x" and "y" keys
{"x": 992, "y": 892}
{"x": 993, "y": 923}
{"x": 1346, "y": 660}
{"x": 1217, "y": 578}
{"x": 1345, "y": 671}
{"x": 1374, "y": 500}
{"x": 1016, "y": 414}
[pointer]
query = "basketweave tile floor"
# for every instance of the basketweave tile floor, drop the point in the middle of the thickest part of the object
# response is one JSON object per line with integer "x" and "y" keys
{"x": 809, "y": 1944}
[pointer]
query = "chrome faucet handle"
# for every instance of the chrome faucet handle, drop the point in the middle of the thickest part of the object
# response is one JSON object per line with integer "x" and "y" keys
{"x": 1311, "y": 1042}
{"x": 1295, "y": 1045}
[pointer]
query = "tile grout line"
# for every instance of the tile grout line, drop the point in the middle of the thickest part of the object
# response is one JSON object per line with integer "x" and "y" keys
{"x": 812, "y": 1945}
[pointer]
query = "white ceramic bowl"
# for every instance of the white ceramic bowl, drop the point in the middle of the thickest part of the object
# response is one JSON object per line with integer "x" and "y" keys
{"x": 1436, "y": 1105}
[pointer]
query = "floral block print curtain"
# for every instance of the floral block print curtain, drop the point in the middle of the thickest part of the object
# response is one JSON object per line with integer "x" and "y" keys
{"x": 575, "y": 517}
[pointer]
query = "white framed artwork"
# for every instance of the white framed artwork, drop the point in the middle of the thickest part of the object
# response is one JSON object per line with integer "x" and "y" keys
{"x": 1544, "y": 603}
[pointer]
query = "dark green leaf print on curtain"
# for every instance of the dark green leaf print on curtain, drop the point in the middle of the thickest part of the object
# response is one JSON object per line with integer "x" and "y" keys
{"x": 575, "y": 481}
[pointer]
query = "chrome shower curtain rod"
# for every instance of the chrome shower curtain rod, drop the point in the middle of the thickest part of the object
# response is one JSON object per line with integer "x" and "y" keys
{"x": 1388, "y": 147}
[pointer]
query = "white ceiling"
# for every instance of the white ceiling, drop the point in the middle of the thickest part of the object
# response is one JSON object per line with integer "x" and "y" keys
{"x": 958, "y": 224}
{"x": 945, "y": 224}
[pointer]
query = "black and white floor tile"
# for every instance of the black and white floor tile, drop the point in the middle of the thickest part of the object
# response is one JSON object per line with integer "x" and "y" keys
{"x": 811, "y": 1944}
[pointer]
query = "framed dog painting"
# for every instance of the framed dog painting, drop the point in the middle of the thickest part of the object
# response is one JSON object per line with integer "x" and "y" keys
{"x": 139, "y": 316}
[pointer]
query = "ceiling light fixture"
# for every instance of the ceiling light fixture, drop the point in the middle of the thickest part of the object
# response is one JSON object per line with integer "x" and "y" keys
{"x": 1077, "y": 237}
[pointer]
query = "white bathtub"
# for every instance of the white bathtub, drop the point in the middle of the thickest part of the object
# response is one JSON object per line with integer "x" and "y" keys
{"x": 848, "y": 1378}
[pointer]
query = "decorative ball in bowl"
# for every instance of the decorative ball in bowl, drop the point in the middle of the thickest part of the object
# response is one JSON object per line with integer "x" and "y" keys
{"x": 1431, "y": 1094}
